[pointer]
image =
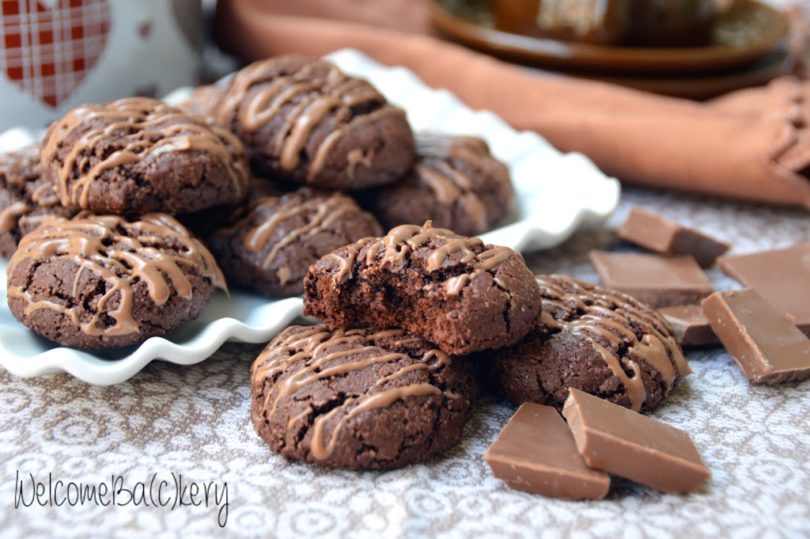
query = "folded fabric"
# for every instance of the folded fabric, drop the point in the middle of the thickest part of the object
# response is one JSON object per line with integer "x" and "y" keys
{"x": 751, "y": 145}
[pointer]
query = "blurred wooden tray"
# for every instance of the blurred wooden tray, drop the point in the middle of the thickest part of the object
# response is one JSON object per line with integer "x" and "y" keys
{"x": 706, "y": 85}
{"x": 748, "y": 32}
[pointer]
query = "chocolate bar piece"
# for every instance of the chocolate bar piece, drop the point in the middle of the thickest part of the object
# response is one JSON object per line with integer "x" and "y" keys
{"x": 625, "y": 443}
{"x": 658, "y": 281}
{"x": 764, "y": 342}
{"x": 658, "y": 234}
{"x": 690, "y": 325}
{"x": 535, "y": 452}
{"x": 782, "y": 276}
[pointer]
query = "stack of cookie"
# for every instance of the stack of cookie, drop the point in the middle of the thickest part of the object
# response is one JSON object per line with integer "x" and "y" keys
{"x": 329, "y": 144}
{"x": 382, "y": 381}
{"x": 286, "y": 173}
{"x": 257, "y": 169}
{"x": 97, "y": 260}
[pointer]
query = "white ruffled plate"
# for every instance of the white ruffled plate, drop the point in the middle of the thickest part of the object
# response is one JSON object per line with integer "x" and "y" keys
{"x": 556, "y": 194}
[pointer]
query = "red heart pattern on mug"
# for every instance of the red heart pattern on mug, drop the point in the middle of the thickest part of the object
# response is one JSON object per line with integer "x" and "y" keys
{"x": 49, "y": 47}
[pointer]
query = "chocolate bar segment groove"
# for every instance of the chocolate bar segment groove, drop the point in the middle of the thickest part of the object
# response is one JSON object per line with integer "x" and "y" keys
{"x": 535, "y": 452}
{"x": 630, "y": 445}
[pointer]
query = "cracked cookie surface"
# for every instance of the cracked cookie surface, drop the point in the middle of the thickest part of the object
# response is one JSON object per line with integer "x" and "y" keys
{"x": 274, "y": 239}
{"x": 596, "y": 340}
{"x": 104, "y": 282}
{"x": 358, "y": 399}
{"x": 304, "y": 120}
{"x": 455, "y": 292}
{"x": 139, "y": 155}
{"x": 455, "y": 182}
{"x": 26, "y": 198}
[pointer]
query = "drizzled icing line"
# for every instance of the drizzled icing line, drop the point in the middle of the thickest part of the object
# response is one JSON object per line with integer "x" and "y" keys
{"x": 393, "y": 249}
{"x": 316, "y": 211}
{"x": 305, "y": 95}
{"x": 307, "y": 355}
{"x": 145, "y": 128}
{"x": 30, "y": 198}
{"x": 436, "y": 169}
{"x": 601, "y": 315}
{"x": 10, "y": 215}
{"x": 120, "y": 253}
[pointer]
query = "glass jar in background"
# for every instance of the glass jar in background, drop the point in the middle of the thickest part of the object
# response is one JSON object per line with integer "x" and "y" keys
{"x": 57, "y": 55}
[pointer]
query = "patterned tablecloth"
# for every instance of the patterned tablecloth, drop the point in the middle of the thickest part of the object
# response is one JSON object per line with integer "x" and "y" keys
{"x": 189, "y": 426}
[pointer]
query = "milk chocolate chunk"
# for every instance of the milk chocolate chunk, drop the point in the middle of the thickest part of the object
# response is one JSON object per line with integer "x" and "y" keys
{"x": 459, "y": 293}
{"x": 658, "y": 281}
{"x": 782, "y": 276}
{"x": 625, "y": 443}
{"x": 690, "y": 325}
{"x": 303, "y": 119}
{"x": 535, "y": 452}
{"x": 663, "y": 236}
{"x": 764, "y": 342}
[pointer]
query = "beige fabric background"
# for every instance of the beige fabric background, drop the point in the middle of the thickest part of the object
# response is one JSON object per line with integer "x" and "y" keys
{"x": 194, "y": 421}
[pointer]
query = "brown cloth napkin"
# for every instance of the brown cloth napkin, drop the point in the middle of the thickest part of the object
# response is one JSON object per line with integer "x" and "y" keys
{"x": 750, "y": 145}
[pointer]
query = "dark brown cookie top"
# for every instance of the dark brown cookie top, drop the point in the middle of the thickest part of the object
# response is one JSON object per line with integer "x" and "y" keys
{"x": 139, "y": 155}
{"x": 26, "y": 199}
{"x": 456, "y": 292}
{"x": 102, "y": 281}
{"x": 358, "y": 399}
{"x": 456, "y": 183}
{"x": 596, "y": 340}
{"x": 203, "y": 223}
{"x": 271, "y": 245}
{"x": 304, "y": 119}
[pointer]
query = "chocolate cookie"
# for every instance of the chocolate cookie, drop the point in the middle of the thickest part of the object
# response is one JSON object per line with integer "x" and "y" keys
{"x": 303, "y": 119}
{"x": 104, "y": 282}
{"x": 453, "y": 291}
{"x": 455, "y": 182}
{"x": 201, "y": 101}
{"x": 26, "y": 199}
{"x": 272, "y": 244}
{"x": 358, "y": 399}
{"x": 204, "y": 223}
{"x": 595, "y": 340}
{"x": 139, "y": 155}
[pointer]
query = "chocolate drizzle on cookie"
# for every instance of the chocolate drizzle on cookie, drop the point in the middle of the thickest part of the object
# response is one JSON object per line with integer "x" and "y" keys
{"x": 394, "y": 248}
{"x": 26, "y": 198}
{"x": 300, "y": 357}
{"x": 318, "y": 212}
{"x": 10, "y": 215}
{"x": 611, "y": 322}
{"x": 297, "y": 97}
{"x": 156, "y": 250}
{"x": 141, "y": 129}
{"x": 437, "y": 169}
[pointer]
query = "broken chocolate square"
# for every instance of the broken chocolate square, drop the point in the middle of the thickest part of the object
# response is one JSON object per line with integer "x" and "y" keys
{"x": 658, "y": 281}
